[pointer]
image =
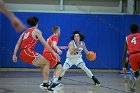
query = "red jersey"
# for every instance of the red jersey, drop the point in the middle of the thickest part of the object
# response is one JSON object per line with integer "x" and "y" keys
{"x": 49, "y": 41}
{"x": 27, "y": 39}
{"x": 133, "y": 43}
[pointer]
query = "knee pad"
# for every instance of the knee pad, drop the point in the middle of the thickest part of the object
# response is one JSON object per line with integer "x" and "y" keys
{"x": 136, "y": 74}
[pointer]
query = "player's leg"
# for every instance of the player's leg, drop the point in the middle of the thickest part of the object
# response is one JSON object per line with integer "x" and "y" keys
{"x": 138, "y": 84}
{"x": 44, "y": 65}
{"x": 53, "y": 64}
{"x": 66, "y": 66}
{"x": 58, "y": 71}
{"x": 137, "y": 75}
{"x": 134, "y": 63}
{"x": 55, "y": 85}
{"x": 132, "y": 82}
{"x": 135, "y": 66}
{"x": 32, "y": 57}
{"x": 82, "y": 65}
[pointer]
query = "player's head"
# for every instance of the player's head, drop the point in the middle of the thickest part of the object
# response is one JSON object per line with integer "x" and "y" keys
{"x": 134, "y": 28}
{"x": 77, "y": 35}
{"x": 56, "y": 30}
{"x": 32, "y": 21}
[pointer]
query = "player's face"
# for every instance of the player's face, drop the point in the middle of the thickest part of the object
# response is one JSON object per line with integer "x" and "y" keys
{"x": 77, "y": 37}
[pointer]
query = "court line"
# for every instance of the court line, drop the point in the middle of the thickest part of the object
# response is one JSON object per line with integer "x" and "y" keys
{"x": 6, "y": 90}
{"x": 100, "y": 86}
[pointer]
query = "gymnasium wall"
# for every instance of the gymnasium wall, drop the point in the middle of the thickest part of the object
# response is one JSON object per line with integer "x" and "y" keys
{"x": 0, "y": 41}
{"x": 112, "y": 6}
{"x": 104, "y": 34}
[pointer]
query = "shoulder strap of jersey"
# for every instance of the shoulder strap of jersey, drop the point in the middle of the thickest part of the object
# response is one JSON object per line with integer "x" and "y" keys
{"x": 74, "y": 44}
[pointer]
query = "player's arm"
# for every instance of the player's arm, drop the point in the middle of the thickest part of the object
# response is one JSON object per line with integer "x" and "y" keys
{"x": 63, "y": 47}
{"x": 125, "y": 63}
{"x": 16, "y": 49}
{"x": 38, "y": 34}
{"x": 17, "y": 24}
{"x": 54, "y": 44}
{"x": 4, "y": 10}
{"x": 124, "y": 55}
{"x": 85, "y": 48}
{"x": 71, "y": 48}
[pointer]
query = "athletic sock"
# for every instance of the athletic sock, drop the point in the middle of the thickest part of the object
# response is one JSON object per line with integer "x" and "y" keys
{"x": 45, "y": 81}
{"x": 55, "y": 79}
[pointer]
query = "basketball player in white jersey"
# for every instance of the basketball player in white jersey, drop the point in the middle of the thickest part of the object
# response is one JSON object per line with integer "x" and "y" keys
{"x": 74, "y": 56}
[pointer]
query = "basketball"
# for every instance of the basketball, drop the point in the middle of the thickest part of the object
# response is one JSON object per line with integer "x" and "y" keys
{"x": 91, "y": 56}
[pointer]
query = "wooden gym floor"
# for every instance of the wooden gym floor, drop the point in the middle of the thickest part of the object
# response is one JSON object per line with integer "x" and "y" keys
{"x": 74, "y": 81}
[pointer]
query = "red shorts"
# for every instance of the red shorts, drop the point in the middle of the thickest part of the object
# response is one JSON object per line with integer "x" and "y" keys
{"x": 28, "y": 56}
{"x": 135, "y": 61}
{"x": 51, "y": 58}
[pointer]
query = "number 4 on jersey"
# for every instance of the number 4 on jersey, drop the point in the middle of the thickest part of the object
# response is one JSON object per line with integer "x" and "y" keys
{"x": 134, "y": 40}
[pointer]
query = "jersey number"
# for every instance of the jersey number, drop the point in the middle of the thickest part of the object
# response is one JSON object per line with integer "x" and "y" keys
{"x": 26, "y": 35}
{"x": 134, "y": 40}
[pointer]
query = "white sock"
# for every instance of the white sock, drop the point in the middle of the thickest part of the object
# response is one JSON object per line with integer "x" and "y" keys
{"x": 45, "y": 81}
{"x": 55, "y": 79}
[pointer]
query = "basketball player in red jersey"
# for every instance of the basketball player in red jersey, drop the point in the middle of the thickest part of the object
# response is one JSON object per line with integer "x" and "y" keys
{"x": 27, "y": 42}
{"x": 54, "y": 62}
{"x": 16, "y": 23}
{"x": 132, "y": 47}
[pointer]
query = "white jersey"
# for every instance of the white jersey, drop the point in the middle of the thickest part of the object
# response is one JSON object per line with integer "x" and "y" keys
{"x": 78, "y": 53}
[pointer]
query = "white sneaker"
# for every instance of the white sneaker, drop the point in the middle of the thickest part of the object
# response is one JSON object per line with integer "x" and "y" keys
{"x": 59, "y": 87}
{"x": 133, "y": 84}
{"x": 44, "y": 86}
{"x": 55, "y": 86}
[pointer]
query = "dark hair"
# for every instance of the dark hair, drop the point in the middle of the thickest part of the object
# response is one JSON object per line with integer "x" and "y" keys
{"x": 82, "y": 37}
{"x": 55, "y": 28}
{"x": 134, "y": 28}
{"x": 32, "y": 21}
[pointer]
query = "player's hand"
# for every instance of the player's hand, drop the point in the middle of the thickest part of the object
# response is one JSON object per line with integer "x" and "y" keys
{"x": 124, "y": 71}
{"x": 17, "y": 24}
{"x": 59, "y": 51}
{"x": 14, "y": 58}
{"x": 63, "y": 47}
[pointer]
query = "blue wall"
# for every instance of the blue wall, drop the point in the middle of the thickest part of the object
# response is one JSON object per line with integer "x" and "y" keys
{"x": 104, "y": 35}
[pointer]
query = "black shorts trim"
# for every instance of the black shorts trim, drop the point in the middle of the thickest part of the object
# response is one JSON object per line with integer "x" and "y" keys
{"x": 58, "y": 63}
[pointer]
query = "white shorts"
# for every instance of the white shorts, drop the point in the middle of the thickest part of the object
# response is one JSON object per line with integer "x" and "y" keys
{"x": 74, "y": 61}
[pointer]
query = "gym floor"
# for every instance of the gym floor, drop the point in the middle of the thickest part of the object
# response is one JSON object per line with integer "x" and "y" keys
{"x": 74, "y": 82}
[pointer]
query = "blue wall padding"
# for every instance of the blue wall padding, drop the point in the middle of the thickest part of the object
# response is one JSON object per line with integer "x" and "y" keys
{"x": 104, "y": 35}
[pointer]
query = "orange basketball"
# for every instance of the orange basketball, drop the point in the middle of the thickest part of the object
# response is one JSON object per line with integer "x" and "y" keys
{"x": 91, "y": 56}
